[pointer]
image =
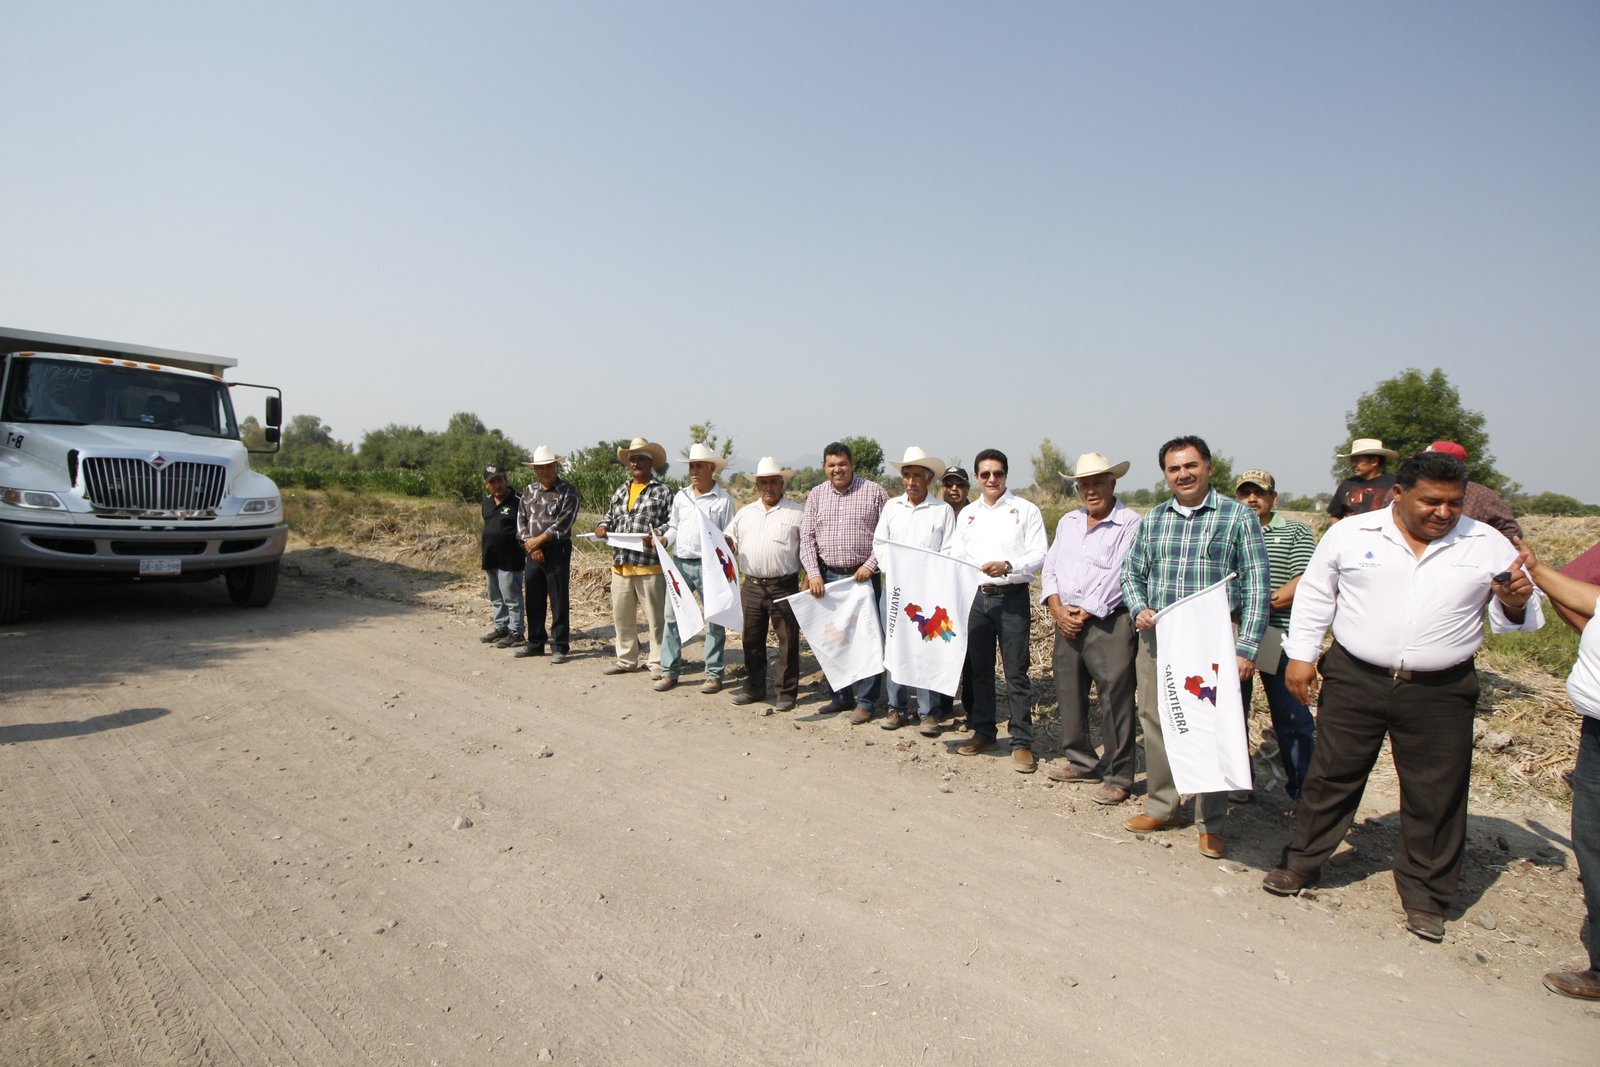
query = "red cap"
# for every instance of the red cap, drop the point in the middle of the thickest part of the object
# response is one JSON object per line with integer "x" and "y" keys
{"x": 1449, "y": 448}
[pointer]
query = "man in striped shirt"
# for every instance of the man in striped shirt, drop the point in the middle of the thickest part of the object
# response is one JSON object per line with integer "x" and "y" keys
{"x": 1184, "y": 545}
{"x": 1289, "y": 548}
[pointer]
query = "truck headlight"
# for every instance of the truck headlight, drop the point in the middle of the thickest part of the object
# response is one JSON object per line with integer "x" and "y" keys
{"x": 30, "y": 498}
{"x": 260, "y": 506}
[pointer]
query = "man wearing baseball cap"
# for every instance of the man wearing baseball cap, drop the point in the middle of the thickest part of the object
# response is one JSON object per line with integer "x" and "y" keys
{"x": 1370, "y": 486}
{"x": 502, "y": 558}
{"x": 1481, "y": 502}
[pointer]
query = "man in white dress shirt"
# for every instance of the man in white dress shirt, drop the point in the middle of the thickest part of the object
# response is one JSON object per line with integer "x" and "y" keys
{"x": 1003, "y": 535}
{"x": 1404, "y": 589}
{"x": 682, "y": 535}
{"x": 765, "y": 535}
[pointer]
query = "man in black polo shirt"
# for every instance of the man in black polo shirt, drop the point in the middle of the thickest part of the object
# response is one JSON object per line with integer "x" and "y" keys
{"x": 503, "y": 559}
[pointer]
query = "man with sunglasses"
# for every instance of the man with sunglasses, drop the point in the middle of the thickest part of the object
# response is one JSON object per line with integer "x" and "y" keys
{"x": 1003, "y": 535}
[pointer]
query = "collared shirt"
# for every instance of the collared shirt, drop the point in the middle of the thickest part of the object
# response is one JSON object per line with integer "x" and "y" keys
{"x": 1395, "y": 610}
{"x": 1289, "y": 548}
{"x": 649, "y": 512}
{"x": 925, "y": 525}
{"x": 501, "y": 551}
{"x": 683, "y": 529}
{"x": 1177, "y": 555}
{"x": 547, "y": 511}
{"x": 1583, "y": 684}
{"x": 1084, "y": 565}
{"x": 1357, "y": 496}
{"x": 1486, "y": 505}
{"x": 1009, "y": 531}
{"x": 767, "y": 540}
{"x": 837, "y": 531}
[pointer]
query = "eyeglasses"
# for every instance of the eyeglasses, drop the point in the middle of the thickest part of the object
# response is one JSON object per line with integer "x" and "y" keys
{"x": 984, "y": 476}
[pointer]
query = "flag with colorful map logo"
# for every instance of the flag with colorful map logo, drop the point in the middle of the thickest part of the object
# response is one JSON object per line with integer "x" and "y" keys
{"x": 1197, "y": 691}
{"x": 926, "y": 600}
{"x": 842, "y": 629}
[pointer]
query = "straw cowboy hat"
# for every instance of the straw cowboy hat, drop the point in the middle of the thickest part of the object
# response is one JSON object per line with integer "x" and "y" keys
{"x": 639, "y": 444}
{"x": 541, "y": 456}
{"x": 699, "y": 453}
{"x": 768, "y": 467}
{"x": 1092, "y": 463}
{"x": 916, "y": 457}
{"x": 1369, "y": 446}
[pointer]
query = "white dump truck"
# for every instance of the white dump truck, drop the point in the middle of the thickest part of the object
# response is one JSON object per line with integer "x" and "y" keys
{"x": 125, "y": 461}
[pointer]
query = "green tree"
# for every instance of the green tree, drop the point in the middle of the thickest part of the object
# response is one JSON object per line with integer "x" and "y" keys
{"x": 1049, "y": 469}
{"x": 306, "y": 442}
{"x": 704, "y": 433}
{"x": 1412, "y": 410}
{"x": 868, "y": 455}
{"x": 1555, "y": 504}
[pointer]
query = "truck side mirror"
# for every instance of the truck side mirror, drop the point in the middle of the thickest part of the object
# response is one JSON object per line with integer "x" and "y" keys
{"x": 274, "y": 416}
{"x": 272, "y": 434}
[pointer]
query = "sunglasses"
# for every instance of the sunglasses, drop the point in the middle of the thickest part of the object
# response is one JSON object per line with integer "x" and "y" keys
{"x": 984, "y": 476}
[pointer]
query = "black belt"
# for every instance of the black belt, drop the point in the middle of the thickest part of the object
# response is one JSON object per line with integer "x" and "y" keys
{"x": 784, "y": 579}
{"x": 1001, "y": 590}
{"x": 1458, "y": 671}
{"x": 843, "y": 570}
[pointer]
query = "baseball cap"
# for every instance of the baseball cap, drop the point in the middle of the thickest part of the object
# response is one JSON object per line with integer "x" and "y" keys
{"x": 955, "y": 474}
{"x": 1449, "y": 448}
{"x": 1255, "y": 477}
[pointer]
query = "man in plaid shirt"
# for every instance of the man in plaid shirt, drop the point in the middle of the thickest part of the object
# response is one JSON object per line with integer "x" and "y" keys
{"x": 642, "y": 504}
{"x": 1185, "y": 544}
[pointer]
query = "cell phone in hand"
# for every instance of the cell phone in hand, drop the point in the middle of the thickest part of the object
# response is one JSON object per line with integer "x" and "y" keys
{"x": 1503, "y": 578}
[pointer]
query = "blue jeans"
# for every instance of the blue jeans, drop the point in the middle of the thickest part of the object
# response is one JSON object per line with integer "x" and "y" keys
{"x": 672, "y": 644}
{"x": 505, "y": 597}
{"x": 1293, "y": 725}
{"x": 939, "y": 705}
{"x": 1586, "y": 826}
{"x": 867, "y": 689}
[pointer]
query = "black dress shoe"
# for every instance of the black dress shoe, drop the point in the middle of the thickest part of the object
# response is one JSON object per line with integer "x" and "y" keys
{"x": 529, "y": 650}
{"x": 1285, "y": 883}
{"x": 742, "y": 698}
{"x": 1425, "y": 924}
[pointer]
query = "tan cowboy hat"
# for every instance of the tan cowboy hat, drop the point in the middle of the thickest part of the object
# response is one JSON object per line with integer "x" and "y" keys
{"x": 639, "y": 444}
{"x": 1092, "y": 463}
{"x": 916, "y": 457}
{"x": 769, "y": 467}
{"x": 699, "y": 453}
{"x": 1369, "y": 446}
{"x": 541, "y": 456}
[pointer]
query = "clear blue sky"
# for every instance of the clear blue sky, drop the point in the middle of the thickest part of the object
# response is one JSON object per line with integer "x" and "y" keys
{"x": 951, "y": 225}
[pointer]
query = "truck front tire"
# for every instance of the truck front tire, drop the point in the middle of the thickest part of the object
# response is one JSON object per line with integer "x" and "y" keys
{"x": 253, "y": 587}
{"x": 10, "y": 593}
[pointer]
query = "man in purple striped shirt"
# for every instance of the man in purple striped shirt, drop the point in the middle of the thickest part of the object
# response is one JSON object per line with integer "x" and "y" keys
{"x": 1082, "y": 587}
{"x": 836, "y": 542}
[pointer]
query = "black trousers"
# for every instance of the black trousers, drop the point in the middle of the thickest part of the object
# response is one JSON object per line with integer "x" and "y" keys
{"x": 1000, "y": 619}
{"x": 546, "y": 584}
{"x": 760, "y": 599}
{"x": 1429, "y": 724}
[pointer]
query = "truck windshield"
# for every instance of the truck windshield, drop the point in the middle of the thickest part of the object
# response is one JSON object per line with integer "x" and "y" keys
{"x": 82, "y": 394}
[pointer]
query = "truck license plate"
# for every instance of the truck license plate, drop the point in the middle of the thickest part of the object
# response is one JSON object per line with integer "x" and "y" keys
{"x": 150, "y": 567}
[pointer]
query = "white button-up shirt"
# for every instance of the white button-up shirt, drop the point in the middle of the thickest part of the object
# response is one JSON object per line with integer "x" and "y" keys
{"x": 683, "y": 529}
{"x": 1395, "y": 610}
{"x": 767, "y": 540}
{"x": 1011, "y": 531}
{"x": 925, "y": 525}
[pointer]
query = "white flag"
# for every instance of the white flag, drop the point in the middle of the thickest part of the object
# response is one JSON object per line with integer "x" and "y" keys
{"x": 842, "y": 629}
{"x": 927, "y": 599}
{"x": 1197, "y": 689}
{"x": 684, "y": 610}
{"x": 628, "y": 542}
{"x": 719, "y": 576}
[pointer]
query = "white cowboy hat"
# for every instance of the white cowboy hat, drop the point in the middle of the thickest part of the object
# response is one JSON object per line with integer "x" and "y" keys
{"x": 1369, "y": 446}
{"x": 541, "y": 456}
{"x": 639, "y": 444}
{"x": 1092, "y": 463}
{"x": 768, "y": 467}
{"x": 699, "y": 453}
{"x": 916, "y": 457}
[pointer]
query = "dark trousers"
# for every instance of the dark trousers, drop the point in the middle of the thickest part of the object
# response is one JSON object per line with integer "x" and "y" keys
{"x": 548, "y": 583}
{"x": 1104, "y": 652}
{"x": 1292, "y": 724}
{"x": 1586, "y": 827}
{"x": 760, "y": 599}
{"x": 1429, "y": 724}
{"x": 1000, "y": 619}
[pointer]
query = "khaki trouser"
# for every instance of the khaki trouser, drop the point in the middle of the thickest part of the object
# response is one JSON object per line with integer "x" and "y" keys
{"x": 628, "y": 593}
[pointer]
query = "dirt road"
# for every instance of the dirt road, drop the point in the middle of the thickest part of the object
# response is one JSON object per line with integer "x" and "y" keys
{"x": 232, "y": 837}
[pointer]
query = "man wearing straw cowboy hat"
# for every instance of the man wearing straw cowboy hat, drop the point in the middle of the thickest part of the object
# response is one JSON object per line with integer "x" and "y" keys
{"x": 640, "y": 505}
{"x": 921, "y": 521}
{"x": 765, "y": 535}
{"x": 683, "y": 541}
{"x": 545, "y": 514}
{"x": 1370, "y": 487}
{"x": 1081, "y": 587}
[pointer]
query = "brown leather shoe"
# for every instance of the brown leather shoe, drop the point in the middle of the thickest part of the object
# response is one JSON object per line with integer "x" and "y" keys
{"x": 665, "y": 682}
{"x": 711, "y": 685}
{"x": 1145, "y": 824}
{"x": 929, "y": 727}
{"x": 1425, "y": 924}
{"x": 1585, "y": 985}
{"x": 894, "y": 720}
{"x": 862, "y": 714}
{"x": 1022, "y": 761}
{"x": 1062, "y": 771}
{"x": 1109, "y": 795}
{"x": 1213, "y": 846}
{"x": 1285, "y": 883}
{"x": 975, "y": 745}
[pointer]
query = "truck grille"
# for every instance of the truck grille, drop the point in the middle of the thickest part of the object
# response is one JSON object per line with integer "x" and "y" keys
{"x": 138, "y": 485}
